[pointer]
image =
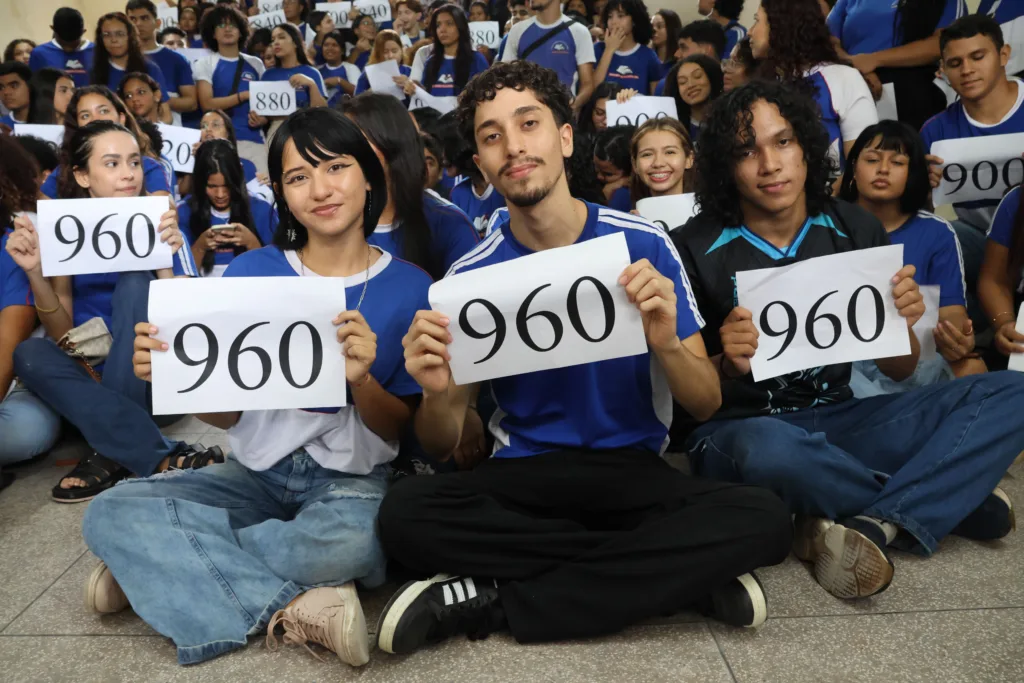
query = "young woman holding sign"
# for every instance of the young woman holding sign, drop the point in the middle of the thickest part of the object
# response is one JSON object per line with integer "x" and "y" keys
{"x": 278, "y": 553}
{"x": 104, "y": 162}
{"x": 452, "y": 61}
{"x": 887, "y": 174}
{"x": 388, "y": 45}
{"x": 662, "y": 158}
{"x": 1001, "y": 283}
{"x": 221, "y": 218}
{"x": 98, "y": 103}
{"x": 291, "y": 64}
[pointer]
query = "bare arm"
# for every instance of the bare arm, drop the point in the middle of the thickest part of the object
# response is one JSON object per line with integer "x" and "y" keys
{"x": 692, "y": 378}
{"x": 995, "y": 289}
{"x": 586, "y": 85}
{"x": 441, "y": 417}
{"x": 917, "y": 53}
{"x": 53, "y": 302}
{"x": 384, "y": 413}
{"x": 207, "y": 101}
{"x": 186, "y": 100}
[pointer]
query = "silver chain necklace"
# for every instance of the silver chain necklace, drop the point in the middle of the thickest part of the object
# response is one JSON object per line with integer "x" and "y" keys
{"x": 366, "y": 282}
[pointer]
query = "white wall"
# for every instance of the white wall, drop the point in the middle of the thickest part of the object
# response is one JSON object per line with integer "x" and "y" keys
{"x": 31, "y": 18}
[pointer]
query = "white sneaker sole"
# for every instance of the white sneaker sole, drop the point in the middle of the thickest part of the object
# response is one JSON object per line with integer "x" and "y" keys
{"x": 353, "y": 639}
{"x": 102, "y": 594}
{"x": 850, "y": 565}
{"x": 397, "y": 606}
{"x": 757, "y": 599}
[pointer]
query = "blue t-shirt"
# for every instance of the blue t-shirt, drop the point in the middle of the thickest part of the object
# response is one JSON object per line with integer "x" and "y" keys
{"x": 1003, "y": 11}
{"x": 868, "y": 26}
{"x": 220, "y": 74}
{"x": 363, "y": 84}
{"x": 621, "y": 200}
{"x": 176, "y": 69}
{"x": 117, "y": 73}
{"x": 92, "y": 295}
{"x": 76, "y": 64}
{"x": 734, "y": 33}
{"x": 954, "y": 123}
{"x": 562, "y": 52}
{"x": 395, "y": 290}
{"x": 14, "y": 283}
{"x": 344, "y": 71}
{"x": 153, "y": 173}
{"x": 930, "y": 245}
{"x": 445, "y": 85}
{"x": 248, "y": 170}
{"x": 279, "y": 73}
{"x": 447, "y": 182}
{"x": 196, "y": 43}
{"x": 8, "y": 120}
{"x": 451, "y": 231}
{"x": 1001, "y": 231}
{"x": 264, "y": 217}
{"x": 615, "y": 404}
{"x": 478, "y": 208}
{"x": 659, "y": 89}
{"x": 636, "y": 69}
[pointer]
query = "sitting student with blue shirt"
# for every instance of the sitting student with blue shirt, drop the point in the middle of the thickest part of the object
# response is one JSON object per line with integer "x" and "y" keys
{"x": 292, "y": 64}
{"x": 575, "y": 527}
{"x": 289, "y": 522}
{"x": 888, "y": 176}
{"x": 340, "y": 77}
{"x": 217, "y": 125}
{"x": 68, "y": 51}
{"x": 452, "y": 61}
{"x": 725, "y": 13}
{"x": 387, "y": 46}
{"x": 614, "y": 165}
{"x": 624, "y": 57}
{"x": 16, "y": 93}
{"x": 904, "y": 469}
{"x": 177, "y": 70}
{"x": 220, "y": 217}
{"x": 113, "y": 413}
{"x": 118, "y": 52}
{"x": 1001, "y": 283}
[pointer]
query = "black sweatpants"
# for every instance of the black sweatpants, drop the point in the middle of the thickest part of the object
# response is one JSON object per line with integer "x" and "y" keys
{"x": 584, "y": 543}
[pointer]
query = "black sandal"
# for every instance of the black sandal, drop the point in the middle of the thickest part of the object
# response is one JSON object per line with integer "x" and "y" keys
{"x": 99, "y": 474}
{"x": 195, "y": 457}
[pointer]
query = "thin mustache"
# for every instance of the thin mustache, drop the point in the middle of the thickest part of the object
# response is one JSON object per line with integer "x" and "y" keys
{"x": 519, "y": 162}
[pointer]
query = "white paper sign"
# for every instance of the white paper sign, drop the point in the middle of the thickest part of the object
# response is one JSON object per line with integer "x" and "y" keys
{"x": 380, "y": 10}
{"x": 194, "y": 54}
{"x": 85, "y": 236}
{"x": 177, "y": 148}
{"x": 253, "y": 343}
{"x": 52, "y": 134}
{"x": 886, "y": 106}
{"x": 338, "y": 11}
{"x": 1013, "y": 35}
{"x": 847, "y": 314}
{"x": 1017, "y": 359}
{"x": 484, "y": 34}
{"x": 272, "y": 98}
{"x": 421, "y": 98}
{"x": 268, "y": 6}
{"x": 670, "y": 211}
{"x": 978, "y": 168}
{"x": 640, "y": 108}
{"x": 924, "y": 327}
{"x": 551, "y": 309}
{"x": 168, "y": 16}
{"x": 380, "y": 76}
{"x": 258, "y": 189}
{"x": 267, "y": 19}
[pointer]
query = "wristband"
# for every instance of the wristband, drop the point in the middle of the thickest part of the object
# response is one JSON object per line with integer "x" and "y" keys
{"x": 48, "y": 310}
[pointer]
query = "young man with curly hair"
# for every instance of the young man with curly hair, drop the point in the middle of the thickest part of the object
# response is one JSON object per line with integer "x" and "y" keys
{"x": 904, "y": 468}
{"x": 575, "y": 527}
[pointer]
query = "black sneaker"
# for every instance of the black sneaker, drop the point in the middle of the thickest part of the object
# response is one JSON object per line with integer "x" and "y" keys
{"x": 741, "y": 602}
{"x": 992, "y": 520}
{"x": 853, "y": 562}
{"x": 426, "y": 612}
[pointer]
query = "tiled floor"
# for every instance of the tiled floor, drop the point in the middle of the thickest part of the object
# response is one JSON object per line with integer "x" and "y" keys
{"x": 957, "y": 617}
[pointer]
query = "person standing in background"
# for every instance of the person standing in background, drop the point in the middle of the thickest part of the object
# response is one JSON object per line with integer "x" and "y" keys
{"x": 68, "y": 51}
{"x": 181, "y": 86}
{"x": 727, "y": 14}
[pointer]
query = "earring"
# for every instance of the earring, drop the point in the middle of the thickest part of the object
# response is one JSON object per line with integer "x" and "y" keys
{"x": 291, "y": 234}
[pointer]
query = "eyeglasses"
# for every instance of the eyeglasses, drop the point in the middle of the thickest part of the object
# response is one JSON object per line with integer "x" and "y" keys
{"x": 120, "y": 35}
{"x": 226, "y": 25}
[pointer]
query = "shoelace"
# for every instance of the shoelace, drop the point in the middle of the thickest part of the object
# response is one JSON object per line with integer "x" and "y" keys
{"x": 471, "y": 617}
{"x": 295, "y": 634}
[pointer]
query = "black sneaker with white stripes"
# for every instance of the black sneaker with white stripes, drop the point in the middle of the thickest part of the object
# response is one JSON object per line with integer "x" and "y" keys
{"x": 426, "y": 612}
{"x": 741, "y": 602}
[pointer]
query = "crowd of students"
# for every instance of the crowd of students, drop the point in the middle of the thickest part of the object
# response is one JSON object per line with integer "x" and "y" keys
{"x": 549, "y": 510}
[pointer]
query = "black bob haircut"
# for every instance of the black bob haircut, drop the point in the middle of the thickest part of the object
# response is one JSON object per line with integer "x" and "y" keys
{"x": 637, "y": 10}
{"x": 519, "y": 75}
{"x": 705, "y": 32}
{"x": 222, "y": 14}
{"x": 970, "y": 26}
{"x": 321, "y": 134}
{"x": 728, "y": 131}
{"x": 892, "y": 136}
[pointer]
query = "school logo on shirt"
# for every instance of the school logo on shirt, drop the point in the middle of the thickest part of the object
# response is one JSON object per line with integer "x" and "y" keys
{"x": 445, "y": 79}
{"x": 247, "y": 76}
{"x": 560, "y": 48}
{"x": 73, "y": 65}
{"x": 624, "y": 70}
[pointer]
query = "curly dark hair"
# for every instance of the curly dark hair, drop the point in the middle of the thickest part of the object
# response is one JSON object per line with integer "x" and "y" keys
{"x": 728, "y": 131}
{"x": 18, "y": 180}
{"x": 222, "y": 14}
{"x": 637, "y": 10}
{"x": 580, "y": 171}
{"x": 799, "y": 40}
{"x": 519, "y": 75}
{"x": 605, "y": 90}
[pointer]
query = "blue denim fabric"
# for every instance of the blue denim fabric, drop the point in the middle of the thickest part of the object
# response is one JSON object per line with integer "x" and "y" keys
{"x": 28, "y": 427}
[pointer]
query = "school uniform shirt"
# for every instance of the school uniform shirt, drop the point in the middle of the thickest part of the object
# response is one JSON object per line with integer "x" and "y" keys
{"x": 219, "y": 72}
{"x": 955, "y": 123}
{"x": 477, "y": 207}
{"x": 846, "y": 104}
{"x": 714, "y": 253}
{"x": 176, "y": 68}
{"x": 562, "y": 52}
{"x": 452, "y": 232}
{"x": 350, "y": 72}
{"x": 279, "y": 73}
{"x": 615, "y": 404}
{"x": 196, "y": 43}
{"x": 264, "y": 223}
{"x": 1001, "y": 231}
{"x": 77, "y": 64}
{"x": 636, "y": 68}
{"x": 447, "y": 182}
{"x": 248, "y": 170}
{"x": 154, "y": 178}
{"x": 867, "y": 26}
{"x": 1006, "y": 12}
{"x": 155, "y": 72}
{"x": 9, "y": 120}
{"x": 930, "y": 245}
{"x": 337, "y": 438}
{"x": 734, "y": 33}
{"x": 16, "y": 290}
{"x": 445, "y": 85}
{"x": 363, "y": 83}
{"x": 621, "y": 200}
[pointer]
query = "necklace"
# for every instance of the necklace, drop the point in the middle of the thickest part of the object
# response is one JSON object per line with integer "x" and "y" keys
{"x": 366, "y": 282}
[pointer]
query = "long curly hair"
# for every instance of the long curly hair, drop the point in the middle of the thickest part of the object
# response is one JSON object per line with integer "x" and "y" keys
{"x": 727, "y": 131}
{"x": 19, "y": 175}
{"x": 637, "y": 10}
{"x": 799, "y": 40}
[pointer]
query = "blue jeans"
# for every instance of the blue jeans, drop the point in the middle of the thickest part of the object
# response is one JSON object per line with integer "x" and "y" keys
{"x": 922, "y": 460}
{"x": 206, "y": 557}
{"x": 27, "y": 427}
{"x": 113, "y": 416}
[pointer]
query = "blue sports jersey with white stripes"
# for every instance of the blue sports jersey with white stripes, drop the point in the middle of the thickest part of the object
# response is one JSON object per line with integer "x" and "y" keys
{"x": 613, "y": 404}
{"x": 930, "y": 245}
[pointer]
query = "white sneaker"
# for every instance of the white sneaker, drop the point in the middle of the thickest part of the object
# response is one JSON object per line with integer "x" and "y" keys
{"x": 102, "y": 594}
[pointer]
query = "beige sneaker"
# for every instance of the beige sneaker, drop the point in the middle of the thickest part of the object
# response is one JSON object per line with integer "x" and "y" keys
{"x": 332, "y": 617}
{"x": 102, "y": 594}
